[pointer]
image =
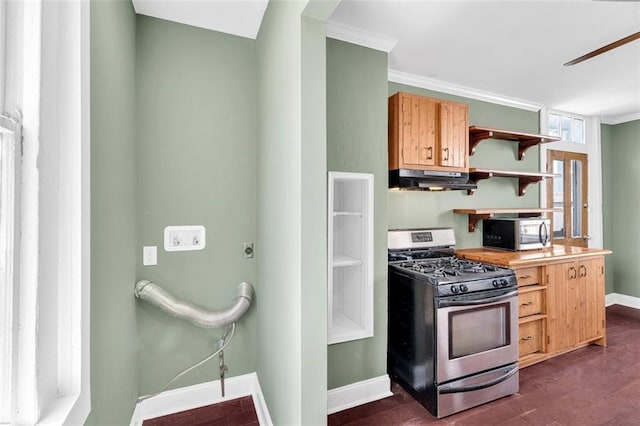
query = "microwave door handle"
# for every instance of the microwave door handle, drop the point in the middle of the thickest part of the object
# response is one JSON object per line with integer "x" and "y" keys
{"x": 543, "y": 236}
{"x": 481, "y": 385}
{"x": 446, "y": 304}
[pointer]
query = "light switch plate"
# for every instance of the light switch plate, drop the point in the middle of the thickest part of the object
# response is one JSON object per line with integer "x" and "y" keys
{"x": 184, "y": 238}
{"x": 149, "y": 255}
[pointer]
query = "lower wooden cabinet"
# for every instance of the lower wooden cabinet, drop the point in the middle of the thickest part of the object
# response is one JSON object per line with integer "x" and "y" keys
{"x": 576, "y": 304}
{"x": 560, "y": 308}
{"x": 532, "y": 314}
{"x": 560, "y": 297}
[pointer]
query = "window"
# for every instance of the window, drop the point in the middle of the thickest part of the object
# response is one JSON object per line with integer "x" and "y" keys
{"x": 569, "y": 128}
{"x": 44, "y": 209}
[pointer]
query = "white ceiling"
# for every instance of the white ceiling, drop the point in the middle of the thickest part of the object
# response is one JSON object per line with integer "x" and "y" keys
{"x": 237, "y": 17}
{"x": 515, "y": 49}
{"x": 510, "y": 51}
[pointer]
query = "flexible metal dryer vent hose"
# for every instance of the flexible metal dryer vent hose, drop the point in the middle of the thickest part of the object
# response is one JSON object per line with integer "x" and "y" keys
{"x": 166, "y": 302}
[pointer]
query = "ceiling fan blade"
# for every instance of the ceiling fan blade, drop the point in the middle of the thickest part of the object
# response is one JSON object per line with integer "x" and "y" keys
{"x": 604, "y": 49}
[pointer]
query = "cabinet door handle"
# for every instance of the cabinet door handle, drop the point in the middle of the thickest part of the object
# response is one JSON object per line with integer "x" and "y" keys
{"x": 527, "y": 303}
{"x": 583, "y": 271}
{"x": 429, "y": 153}
{"x": 446, "y": 157}
{"x": 574, "y": 274}
{"x": 525, "y": 277}
{"x": 526, "y": 338}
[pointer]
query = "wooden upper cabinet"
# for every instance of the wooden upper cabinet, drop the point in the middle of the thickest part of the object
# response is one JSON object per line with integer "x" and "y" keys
{"x": 418, "y": 132}
{"x": 427, "y": 133}
{"x": 454, "y": 135}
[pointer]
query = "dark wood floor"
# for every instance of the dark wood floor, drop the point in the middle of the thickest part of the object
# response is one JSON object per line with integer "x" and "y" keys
{"x": 236, "y": 412}
{"x": 589, "y": 386}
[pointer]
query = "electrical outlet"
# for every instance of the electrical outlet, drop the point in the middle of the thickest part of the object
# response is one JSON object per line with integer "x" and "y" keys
{"x": 149, "y": 255}
{"x": 248, "y": 250}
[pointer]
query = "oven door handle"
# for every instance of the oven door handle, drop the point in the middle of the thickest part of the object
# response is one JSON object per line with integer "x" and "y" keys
{"x": 471, "y": 388}
{"x": 446, "y": 303}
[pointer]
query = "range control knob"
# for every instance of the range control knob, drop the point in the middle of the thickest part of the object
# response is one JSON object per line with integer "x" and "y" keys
{"x": 504, "y": 282}
{"x": 495, "y": 283}
{"x": 464, "y": 288}
{"x": 454, "y": 289}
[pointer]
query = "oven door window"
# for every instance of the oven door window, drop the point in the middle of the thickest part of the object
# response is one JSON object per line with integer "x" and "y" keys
{"x": 477, "y": 330}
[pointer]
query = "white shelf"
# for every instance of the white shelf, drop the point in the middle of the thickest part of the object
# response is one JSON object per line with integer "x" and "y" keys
{"x": 344, "y": 328}
{"x": 350, "y": 245}
{"x": 341, "y": 260}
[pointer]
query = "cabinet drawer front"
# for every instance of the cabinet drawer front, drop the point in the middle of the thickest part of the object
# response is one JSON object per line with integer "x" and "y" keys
{"x": 530, "y": 339}
{"x": 528, "y": 276}
{"x": 530, "y": 303}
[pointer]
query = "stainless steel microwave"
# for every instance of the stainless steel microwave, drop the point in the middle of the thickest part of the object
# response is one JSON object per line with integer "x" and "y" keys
{"x": 516, "y": 233}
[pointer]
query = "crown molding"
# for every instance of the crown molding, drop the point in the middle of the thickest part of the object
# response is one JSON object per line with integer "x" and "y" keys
{"x": 467, "y": 92}
{"x": 619, "y": 119}
{"x": 362, "y": 38}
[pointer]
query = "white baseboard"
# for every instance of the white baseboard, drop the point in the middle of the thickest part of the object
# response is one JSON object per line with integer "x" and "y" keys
{"x": 200, "y": 395}
{"x": 358, "y": 393}
{"x": 622, "y": 299}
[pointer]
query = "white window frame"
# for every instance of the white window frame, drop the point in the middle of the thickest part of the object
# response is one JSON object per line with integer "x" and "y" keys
{"x": 573, "y": 118}
{"x": 591, "y": 147}
{"x": 10, "y": 137}
{"x": 45, "y": 64}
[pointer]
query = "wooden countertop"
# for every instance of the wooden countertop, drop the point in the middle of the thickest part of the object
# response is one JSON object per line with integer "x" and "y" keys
{"x": 513, "y": 259}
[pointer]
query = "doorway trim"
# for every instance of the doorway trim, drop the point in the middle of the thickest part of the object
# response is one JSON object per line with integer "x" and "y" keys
{"x": 592, "y": 149}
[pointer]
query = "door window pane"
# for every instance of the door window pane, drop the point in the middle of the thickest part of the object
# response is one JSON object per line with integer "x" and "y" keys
{"x": 558, "y": 199}
{"x": 576, "y": 198}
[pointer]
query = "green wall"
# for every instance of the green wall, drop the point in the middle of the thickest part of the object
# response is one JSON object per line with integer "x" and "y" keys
{"x": 196, "y": 149}
{"x": 357, "y": 142}
{"x": 292, "y": 256}
{"x": 415, "y": 209}
{"x": 114, "y": 245}
{"x": 314, "y": 217}
{"x": 606, "y": 152}
{"x": 624, "y": 175}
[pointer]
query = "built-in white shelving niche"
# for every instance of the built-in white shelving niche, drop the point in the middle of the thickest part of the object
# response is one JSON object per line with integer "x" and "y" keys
{"x": 350, "y": 243}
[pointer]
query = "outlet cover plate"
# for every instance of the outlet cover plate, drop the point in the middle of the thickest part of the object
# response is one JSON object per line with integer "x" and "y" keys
{"x": 149, "y": 255}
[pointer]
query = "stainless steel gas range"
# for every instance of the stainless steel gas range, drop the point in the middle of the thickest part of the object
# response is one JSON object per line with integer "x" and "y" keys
{"x": 453, "y": 329}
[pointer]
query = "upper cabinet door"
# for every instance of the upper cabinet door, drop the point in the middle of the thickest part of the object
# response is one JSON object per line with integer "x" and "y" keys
{"x": 427, "y": 133}
{"x": 418, "y": 131}
{"x": 454, "y": 135}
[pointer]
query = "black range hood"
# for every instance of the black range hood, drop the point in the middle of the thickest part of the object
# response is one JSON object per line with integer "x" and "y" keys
{"x": 429, "y": 180}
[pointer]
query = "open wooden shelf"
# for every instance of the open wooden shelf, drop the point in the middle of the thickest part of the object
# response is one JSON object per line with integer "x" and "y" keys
{"x": 478, "y": 214}
{"x": 524, "y": 178}
{"x": 525, "y": 140}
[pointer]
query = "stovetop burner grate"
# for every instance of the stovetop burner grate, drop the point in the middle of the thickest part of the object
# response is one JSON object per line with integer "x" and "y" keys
{"x": 450, "y": 269}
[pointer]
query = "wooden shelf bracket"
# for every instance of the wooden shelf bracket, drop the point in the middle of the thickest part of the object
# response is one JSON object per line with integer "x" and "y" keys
{"x": 525, "y": 140}
{"x": 524, "y": 178}
{"x": 474, "y": 218}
